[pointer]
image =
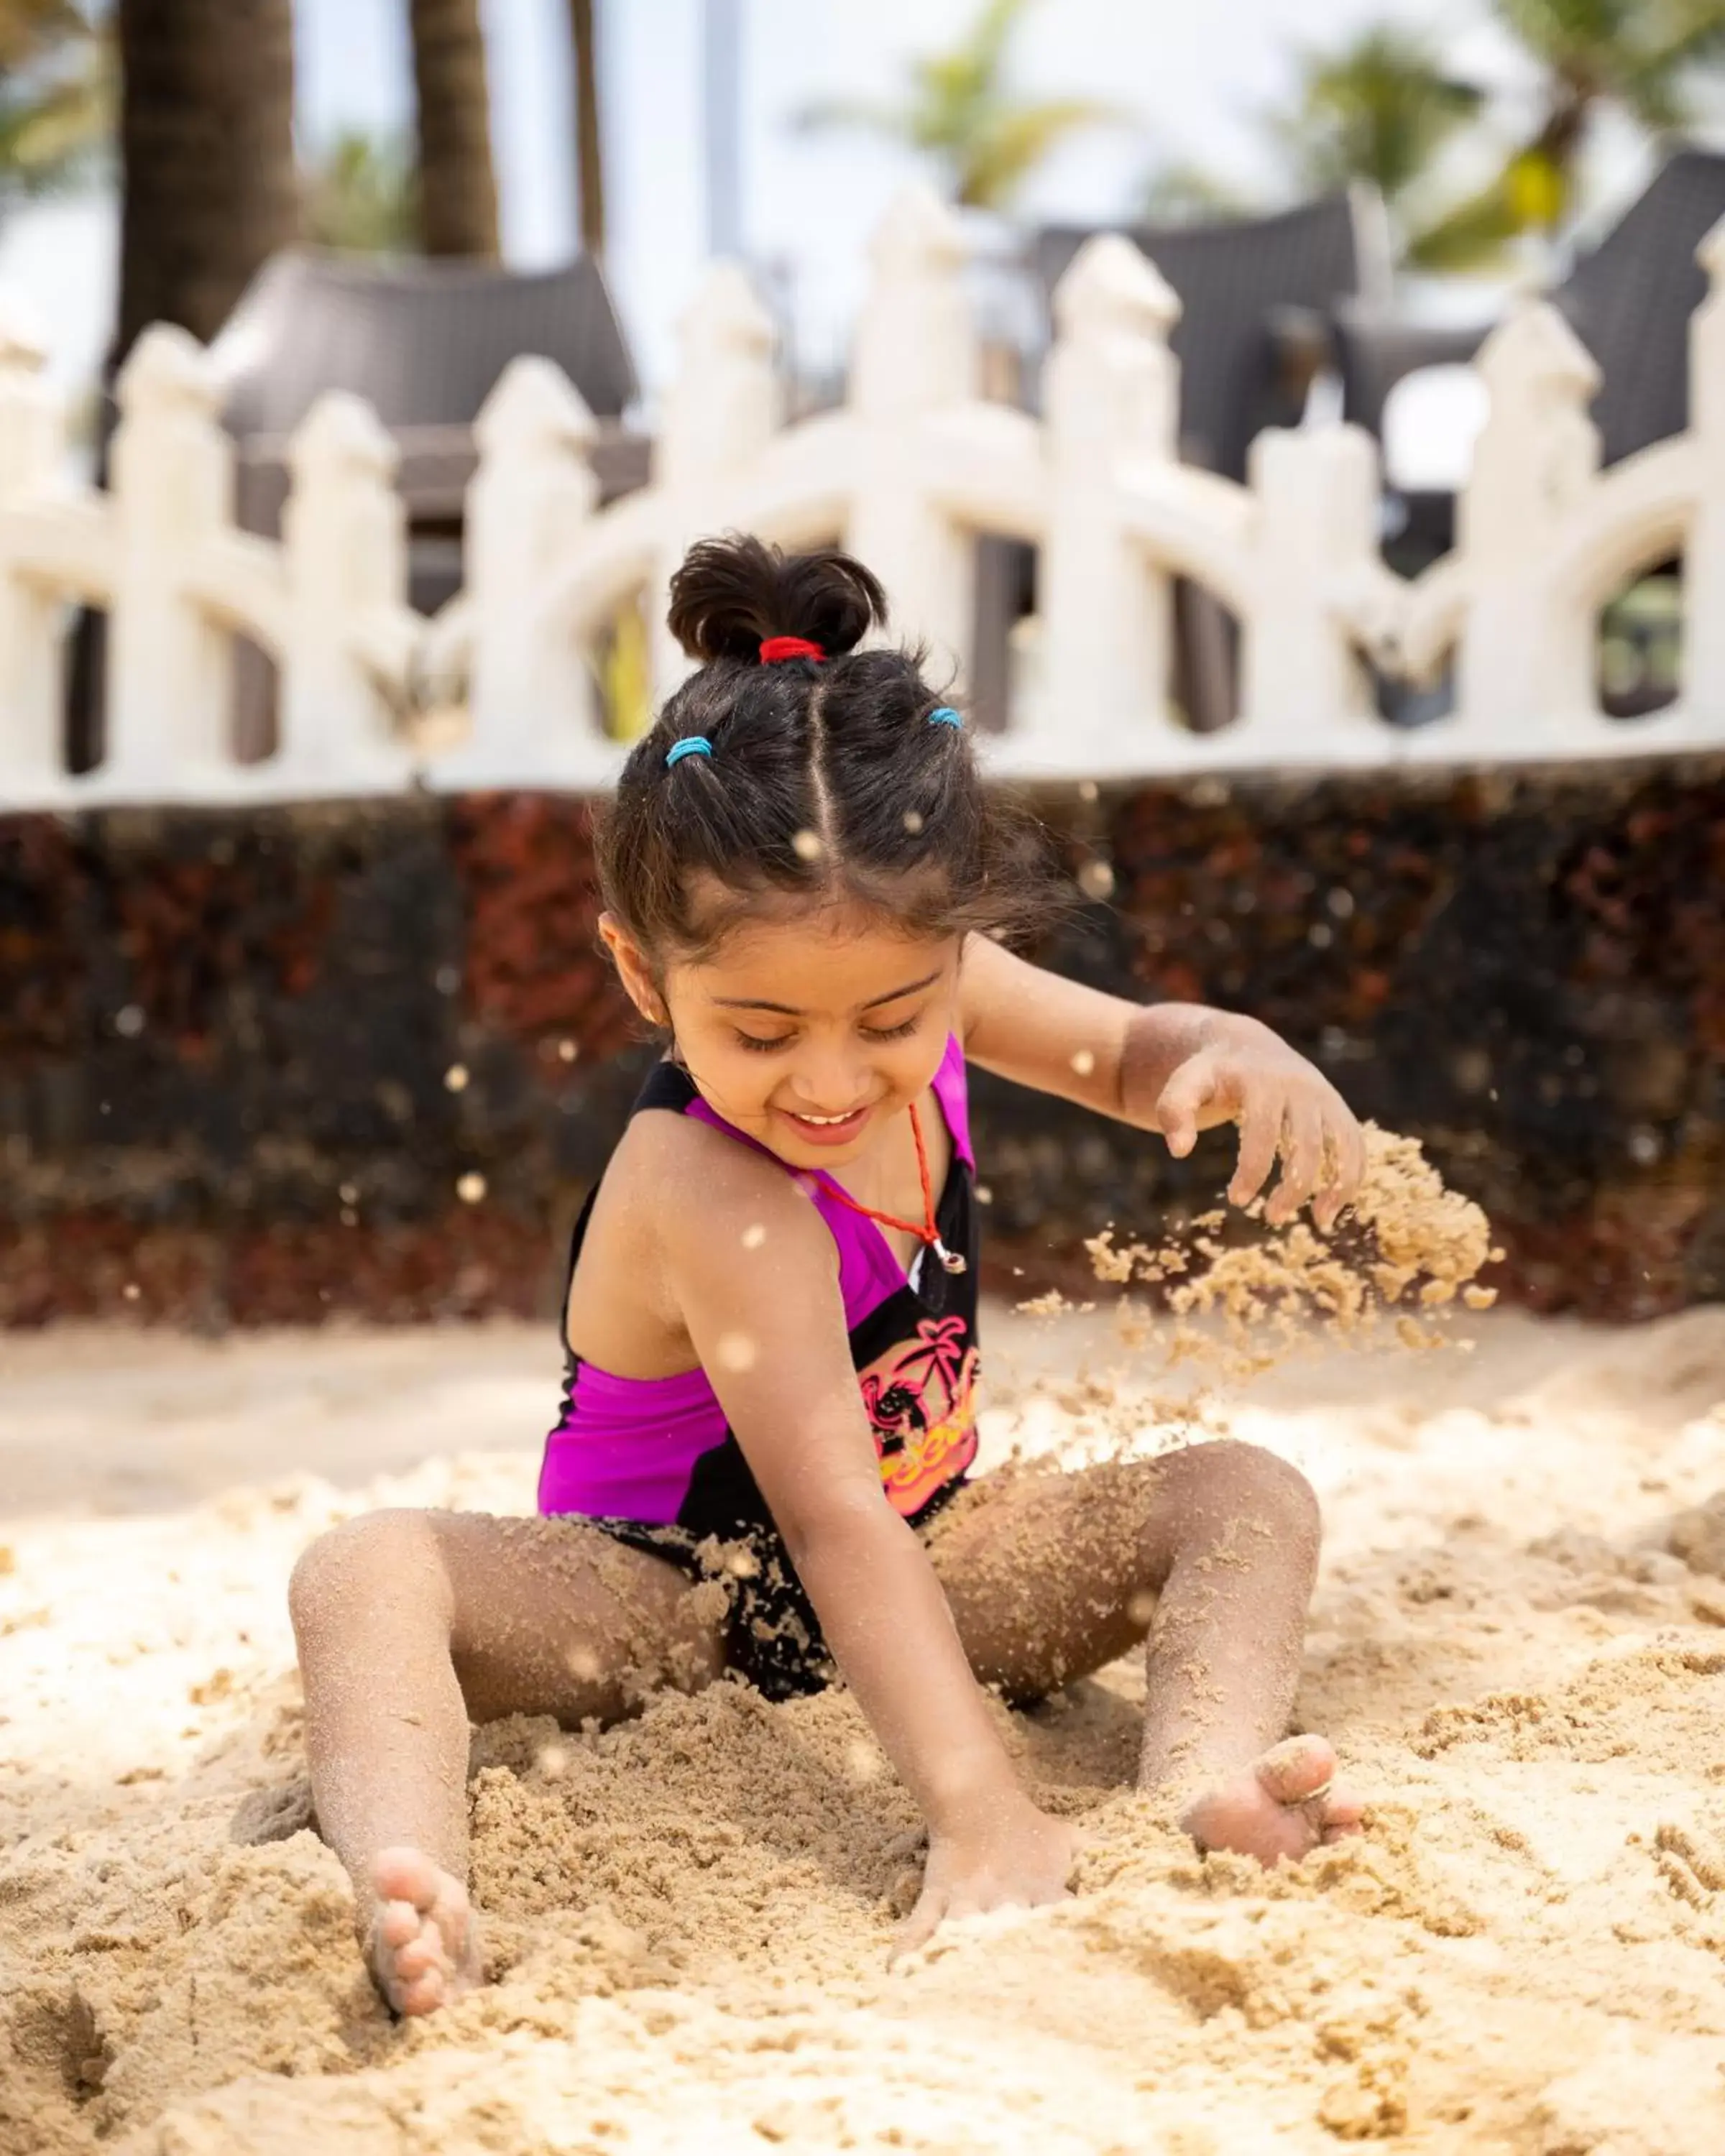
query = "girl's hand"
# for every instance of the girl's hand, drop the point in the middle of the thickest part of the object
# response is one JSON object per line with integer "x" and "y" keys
{"x": 1242, "y": 1073}
{"x": 1013, "y": 1858}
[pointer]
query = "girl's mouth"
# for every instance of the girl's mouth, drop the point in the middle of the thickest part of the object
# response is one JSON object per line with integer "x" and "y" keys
{"x": 827, "y": 1130}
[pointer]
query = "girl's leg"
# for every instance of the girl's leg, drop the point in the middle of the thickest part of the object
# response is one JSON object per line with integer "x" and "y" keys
{"x": 411, "y": 1625}
{"x": 1210, "y": 1554}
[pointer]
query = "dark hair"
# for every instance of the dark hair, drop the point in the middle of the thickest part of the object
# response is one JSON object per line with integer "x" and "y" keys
{"x": 825, "y": 778}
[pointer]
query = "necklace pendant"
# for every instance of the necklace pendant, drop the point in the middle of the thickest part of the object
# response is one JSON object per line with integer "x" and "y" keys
{"x": 952, "y": 1260}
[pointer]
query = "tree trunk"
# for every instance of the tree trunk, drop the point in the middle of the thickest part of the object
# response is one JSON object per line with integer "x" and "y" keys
{"x": 588, "y": 151}
{"x": 210, "y": 192}
{"x": 206, "y": 141}
{"x": 458, "y": 189}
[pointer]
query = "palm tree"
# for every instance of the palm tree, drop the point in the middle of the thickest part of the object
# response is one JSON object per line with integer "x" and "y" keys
{"x": 206, "y": 143}
{"x": 957, "y": 109}
{"x": 56, "y": 96}
{"x": 457, "y": 188}
{"x": 1639, "y": 56}
{"x": 589, "y": 159}
{"x": 1383, "y": 108}
{"x": 362, "y": 197}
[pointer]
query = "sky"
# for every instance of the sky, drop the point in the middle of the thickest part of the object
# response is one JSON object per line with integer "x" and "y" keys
{"x": 1191, "y": 81}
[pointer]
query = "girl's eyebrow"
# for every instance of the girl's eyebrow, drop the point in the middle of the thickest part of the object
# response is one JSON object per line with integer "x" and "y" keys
{"x": 790, "y": 1010}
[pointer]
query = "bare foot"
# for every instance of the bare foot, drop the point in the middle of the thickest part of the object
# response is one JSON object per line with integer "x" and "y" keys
{"x": 1284, "y": 1804}
{"x": 424, "y": 1952}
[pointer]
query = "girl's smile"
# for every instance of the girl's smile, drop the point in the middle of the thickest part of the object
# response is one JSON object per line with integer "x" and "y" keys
{"x": 827, "y": 1130}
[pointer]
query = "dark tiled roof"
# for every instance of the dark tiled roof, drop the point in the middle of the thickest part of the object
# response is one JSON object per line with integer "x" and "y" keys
{"x": 422, "y": 342}
{"x": 1233, "y": 280}
{"x": 1630, "y": 302}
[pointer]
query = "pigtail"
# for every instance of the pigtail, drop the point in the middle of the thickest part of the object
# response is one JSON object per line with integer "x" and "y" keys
{"x": 732, "y": 595}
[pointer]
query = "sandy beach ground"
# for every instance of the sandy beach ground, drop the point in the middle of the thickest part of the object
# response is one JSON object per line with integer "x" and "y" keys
{"x": 688, "y": 1918}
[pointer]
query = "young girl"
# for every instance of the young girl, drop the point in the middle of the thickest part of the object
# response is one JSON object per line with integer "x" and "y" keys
{"x": 771, "y": 1328}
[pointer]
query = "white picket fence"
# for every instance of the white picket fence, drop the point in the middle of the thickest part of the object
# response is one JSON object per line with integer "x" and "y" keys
{"x": 909, "y": 472}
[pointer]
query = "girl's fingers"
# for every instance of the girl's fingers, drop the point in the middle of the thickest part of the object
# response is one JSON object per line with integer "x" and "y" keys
{"x": 1260, "y": 1136}
{"x": 1184, "y": 1100}
{"x": 1345, "y": 1155}
{"x": 1302, "y": 1162}
{"x": 1353, "y": 1157}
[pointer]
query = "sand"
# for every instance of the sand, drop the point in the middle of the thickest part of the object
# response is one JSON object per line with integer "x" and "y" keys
{"x": 689, "y": 1917}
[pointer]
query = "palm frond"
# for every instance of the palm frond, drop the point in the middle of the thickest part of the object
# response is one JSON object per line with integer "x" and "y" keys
{"x": 958, "y": 109}
{"x": 362, "y": 196}
{"x": 1185, "y": 193}
{"x": 56, "y": 124}
{"x": 1476, "y": 234}
{"x": 1381, "y": 108}
{"x": 32, "y": 31}
{"x": 1557, "y": 32}
{"x": 1004, "y": 153}
{"x": 1653, "y": 84}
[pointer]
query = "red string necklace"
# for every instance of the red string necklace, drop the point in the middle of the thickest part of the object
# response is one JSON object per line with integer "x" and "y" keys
{"x": 928, "y": 1234}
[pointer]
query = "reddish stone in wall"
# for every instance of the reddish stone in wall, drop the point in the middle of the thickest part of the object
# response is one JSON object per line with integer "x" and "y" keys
{"x": 535, "y": 972}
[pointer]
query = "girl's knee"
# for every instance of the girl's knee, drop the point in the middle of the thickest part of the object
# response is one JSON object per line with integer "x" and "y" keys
{"x": 346, "y": 1565}
{"x": 1242, "y": 1480}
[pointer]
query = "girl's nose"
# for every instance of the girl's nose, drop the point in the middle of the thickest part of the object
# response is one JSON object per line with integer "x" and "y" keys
{"x": 830, "y": 1082}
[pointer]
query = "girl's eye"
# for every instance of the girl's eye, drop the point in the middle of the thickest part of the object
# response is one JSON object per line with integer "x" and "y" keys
{"x": 761, "y": 1047}
{"x": 892, "y": 1032}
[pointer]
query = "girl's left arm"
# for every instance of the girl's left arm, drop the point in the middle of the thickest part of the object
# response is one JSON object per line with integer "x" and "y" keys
{"x": 1174, "y": 1068}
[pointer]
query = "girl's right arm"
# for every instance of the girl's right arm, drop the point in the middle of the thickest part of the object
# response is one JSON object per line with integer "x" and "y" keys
{"x": 753, "y": 1273}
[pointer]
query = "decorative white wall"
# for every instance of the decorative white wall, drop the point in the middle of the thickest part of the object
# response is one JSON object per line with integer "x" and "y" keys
{"x": 909, "y": 472}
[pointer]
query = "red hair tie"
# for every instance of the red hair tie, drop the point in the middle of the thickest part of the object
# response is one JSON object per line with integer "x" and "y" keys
{"x": 776, "y": 649}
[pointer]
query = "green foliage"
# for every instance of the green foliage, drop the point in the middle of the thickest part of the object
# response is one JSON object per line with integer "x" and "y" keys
{"x": 361, "y": 196}
{"x": 957, "y": 109}
{"x": 58, "y": 95}
{"x": 1384, "y": 109}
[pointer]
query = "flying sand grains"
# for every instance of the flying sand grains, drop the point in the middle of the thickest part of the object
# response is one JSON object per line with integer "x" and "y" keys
{"x": 806, "y": 846}
{"x": 753, "y": 1235}
{"x": 471, "y": 1188}
{"x": 737, "y": 1351}
{"x": 455, "y": 1078}
{"x": 1412, "y": 1229}
{"x": 1084, "y": 1062}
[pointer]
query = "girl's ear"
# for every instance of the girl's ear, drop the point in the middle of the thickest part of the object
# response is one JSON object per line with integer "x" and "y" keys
{"x": 633, "y": 970}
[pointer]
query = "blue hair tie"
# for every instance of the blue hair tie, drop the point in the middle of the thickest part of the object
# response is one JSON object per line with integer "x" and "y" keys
{"x": 947, "y": 717}
{"x": 691, "y": 745}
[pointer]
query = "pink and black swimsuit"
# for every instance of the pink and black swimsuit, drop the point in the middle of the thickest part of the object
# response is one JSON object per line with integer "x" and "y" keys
{"x": 653, "y": 1462}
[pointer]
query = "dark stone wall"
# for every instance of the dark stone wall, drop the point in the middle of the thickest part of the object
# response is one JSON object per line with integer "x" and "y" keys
{"x": 232, "y": 1042}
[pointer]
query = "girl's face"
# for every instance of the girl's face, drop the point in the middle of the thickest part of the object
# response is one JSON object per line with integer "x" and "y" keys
{"x": 806, "y": 1032}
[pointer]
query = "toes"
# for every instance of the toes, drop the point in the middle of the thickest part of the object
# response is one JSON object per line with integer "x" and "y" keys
{"x": 424, "y": 1995}
{"x": 1298, "y": 1769}
{"x": 1343, "y": 1813}
{"x": 420, "y": 1955}
{"x": 406, "y": 1875}
{"x": 398, "y": 1923}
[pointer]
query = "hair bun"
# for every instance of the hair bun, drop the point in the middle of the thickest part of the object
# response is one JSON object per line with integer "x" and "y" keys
{"x": 731, "y": 594}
